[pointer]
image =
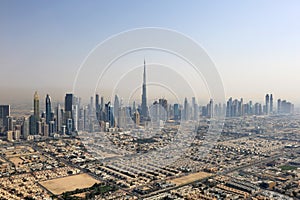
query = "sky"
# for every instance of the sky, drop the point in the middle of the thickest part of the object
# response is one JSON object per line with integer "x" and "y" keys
{"x": 255, "y": 45}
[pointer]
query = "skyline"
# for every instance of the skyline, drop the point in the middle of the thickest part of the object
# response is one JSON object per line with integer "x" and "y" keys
{"x": 115, "y": 114}
{"x": 39, "y": 107}
{"x": 61, "y": 100}
{"x": 258, "y": 56}
{"x": 152, "y": 100}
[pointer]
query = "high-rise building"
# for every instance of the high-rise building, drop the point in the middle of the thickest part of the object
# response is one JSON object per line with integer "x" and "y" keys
{"x": 154, "y": 112}
{"x": 35, "y": 118}
{"x": 52, "y": 128}
{"x": 257, "y": 109}
{"x": 36, "y": 106}
{"x": 163, "y": 109}
{"x": 110, "y": 115}
{"x": 271, "y": 103}
{"x": 75, "y": 118}
{"x": 136, "y": 118}
{"x": 32, "y": 125}
{"x": 210, "y": 109}
{"x": 116, "y": 109}
{"x": 102, "y": 103}
{"x": 59, "y": 117}
{"x": 10, "y": 123}
{"x": 133, "y": 107}
{"x": 122, "y": 121}
{"x": 97, "y": 107}
{"x": 69, "y": 126}
{"x": 91, "y": 106}
{"x": 267, "y": 104}
{"x": 85, "y": 121}
{"x": 279, "y": 106}
{"x": 145, "y": 111}
{"x": 176, "y": 112}
{"x": 25, "y": 127}
{"x": 81, "y": 119}
{"x": 204, "y": 111}
{"x": 102, "y": 109}
{"x": 195, "y": 109}
{"x": 285, "y": 107}
{"x": 9, "y": 136}
{"x": 185, "y": 115}
{"x": 69, "y": 101}
{"x": 97, "y": 101}
{"x": 68, "y": 118}
{"x": 4, "y": 113}
{"x": 45, "y": 129}
{"x": 240, "y": 107}
{"x": 39, "y": 130}
{"x": 48, "y": 109}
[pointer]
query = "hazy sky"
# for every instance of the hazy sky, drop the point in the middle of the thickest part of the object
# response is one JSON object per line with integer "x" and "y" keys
{"x": 255, "y": 45}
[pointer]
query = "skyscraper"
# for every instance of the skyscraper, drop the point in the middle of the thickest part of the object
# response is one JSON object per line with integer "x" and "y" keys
{"x": 176, "y": 112}
{"x": 75, "y": 117}
{"x": 97, "y": 107}
{"x": 279, "y": 106}
{"x": 59, "y": 117}
{"x": 271, "y": 103}
{"x": 163, "y": 109}
{"x": 91, "y": 106}
{"x": 109, "y": 110}
{"x": 97, "y": 104}
{"x": 4, "y": 113}
{"x": 136, "y": 118}
{"x": 25, "y": 127}
{"x": 145, "y": 112}
{"x": 210, "y": 108}
{"x": 69, "y": 100}
{"x": 116, "y": 109}
{"x": 36, "y": 106}
{"x": 195, "y": 109}
{"x": 267, "y": 104}
{"x": 102, "y": 103}
{"x": 48, "y": 109}
{"x": 185, "y": 110}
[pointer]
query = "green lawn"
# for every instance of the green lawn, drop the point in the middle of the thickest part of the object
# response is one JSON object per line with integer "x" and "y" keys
{"x": 287, "y": 167}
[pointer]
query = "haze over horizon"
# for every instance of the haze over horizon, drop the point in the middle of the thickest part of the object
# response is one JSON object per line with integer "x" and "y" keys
{"x": 254, "y": 44}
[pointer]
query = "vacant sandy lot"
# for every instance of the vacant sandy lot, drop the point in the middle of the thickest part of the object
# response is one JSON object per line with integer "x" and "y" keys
{"x": 16, "y": 160}
{"x": 190, "y": 178}
{"x": 69, "y": 183}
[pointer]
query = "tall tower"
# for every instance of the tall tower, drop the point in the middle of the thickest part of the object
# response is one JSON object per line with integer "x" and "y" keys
{"x": 48, "y": 109}
{"x": 4, "y": 113}
{"x": 267, "y": 104}
{"x": 69, "y": 106}
{"x": 136, "y": 118}
{"x": 145, "y": 112}
{"x": 211, "y": 108}
{"x": 116, "y": 109}
{"x": 59, "y": 118}
{"x": 97, "y": 106}
{"x": 97, "y": 102}
{"x": 69, "y": 101}
{"x": 36, "y": 106}
{"x": 185, "y": 110}
{"x": 271, "y": 104}
{"x": 278, "y": 106}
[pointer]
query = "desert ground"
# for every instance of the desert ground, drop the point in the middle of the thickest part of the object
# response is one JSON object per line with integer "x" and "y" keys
{"x": 69, "y": 183}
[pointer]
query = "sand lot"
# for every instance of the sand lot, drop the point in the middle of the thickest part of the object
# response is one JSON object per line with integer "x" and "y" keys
{"x": 16, "y": 160}
{"x": 190, "y": 178}
{"x": 69, "y": 183}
